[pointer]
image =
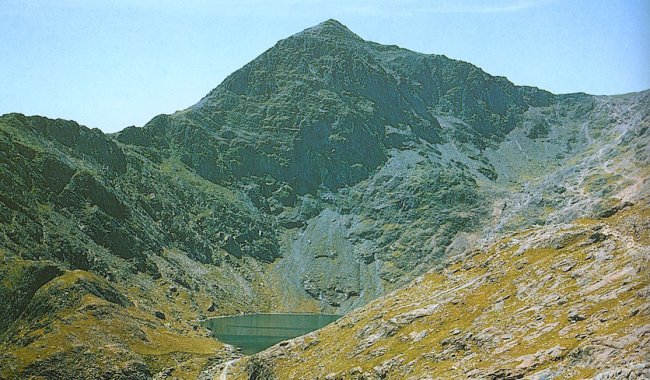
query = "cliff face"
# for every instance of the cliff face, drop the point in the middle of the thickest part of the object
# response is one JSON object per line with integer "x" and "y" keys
{"x": 325, "y": 173}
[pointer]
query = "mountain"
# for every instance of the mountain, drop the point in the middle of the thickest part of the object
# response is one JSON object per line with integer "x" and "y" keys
{"x": 324, "y": 174}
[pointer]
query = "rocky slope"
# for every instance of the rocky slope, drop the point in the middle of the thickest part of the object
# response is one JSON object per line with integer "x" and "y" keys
{"x": 563, "y": 301}
{"x": 325, "y": 173}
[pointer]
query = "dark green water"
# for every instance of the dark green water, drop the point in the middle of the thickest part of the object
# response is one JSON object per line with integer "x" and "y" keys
{"x": 257, "y": 332}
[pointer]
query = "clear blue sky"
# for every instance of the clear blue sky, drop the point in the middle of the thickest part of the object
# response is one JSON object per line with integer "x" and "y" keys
{"x": 114, "y": 63}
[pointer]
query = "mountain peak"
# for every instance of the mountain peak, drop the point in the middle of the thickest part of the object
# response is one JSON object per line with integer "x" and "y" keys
{"x": 331, "y": 23}
{"x": 331, "y": 28}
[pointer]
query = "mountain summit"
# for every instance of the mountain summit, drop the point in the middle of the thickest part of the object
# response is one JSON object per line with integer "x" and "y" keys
{"x": 321, "y": 101}
{"x": 331, "y": 29}
{"x": 324, "y": 174}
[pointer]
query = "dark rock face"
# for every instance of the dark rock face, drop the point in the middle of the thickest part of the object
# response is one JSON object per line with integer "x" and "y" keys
{"x": 91, "y": 142}
{"x": 19, "y": 281}
{"x": 56, "y": 174}
{"x": 84, "y": 188}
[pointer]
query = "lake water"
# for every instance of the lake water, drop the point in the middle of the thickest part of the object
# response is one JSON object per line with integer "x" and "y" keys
{"x": 257, "y": 332}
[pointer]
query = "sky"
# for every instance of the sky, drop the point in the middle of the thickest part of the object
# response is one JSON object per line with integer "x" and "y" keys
{"x": 109, "y": 64}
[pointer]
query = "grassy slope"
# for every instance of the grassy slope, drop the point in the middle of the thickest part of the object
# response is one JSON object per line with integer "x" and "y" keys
{"x": 107, "y": 332}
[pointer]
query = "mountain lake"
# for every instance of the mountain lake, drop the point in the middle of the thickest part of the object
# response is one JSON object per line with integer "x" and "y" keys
{"x": 256, "y": 332}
